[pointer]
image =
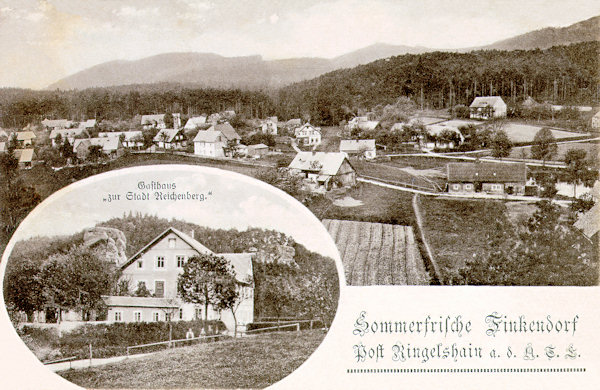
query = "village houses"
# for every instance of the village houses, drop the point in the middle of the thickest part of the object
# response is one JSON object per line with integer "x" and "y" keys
{"x": 158, "y": 265}
{"x": 25, "y": 138}
{"x": 111, "y": 146}
{"x": 327, "y": 170}
{"x": 157, "y": 121}
{"x": 215, "y": 141}
{"x": 133, "y": 139}
{"x": 195, "y": 122}
{"x": 53, "y": 124}
{"x": 269, "y": 125}
{"x": 487, "y": 107}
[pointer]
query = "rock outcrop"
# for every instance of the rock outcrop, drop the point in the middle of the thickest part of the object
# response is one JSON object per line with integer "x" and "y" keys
{"x": 110, "y": 241}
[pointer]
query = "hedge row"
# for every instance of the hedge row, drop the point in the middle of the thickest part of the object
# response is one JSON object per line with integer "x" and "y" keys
{"x": 303, "y": 325}
{"x": 113, "y": 339}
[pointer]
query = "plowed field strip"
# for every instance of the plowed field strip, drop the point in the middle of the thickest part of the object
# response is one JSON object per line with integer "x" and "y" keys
{"x": 376, "y": 262}
{"x": 387, "y": 255}
{"x": 399, "y": 251}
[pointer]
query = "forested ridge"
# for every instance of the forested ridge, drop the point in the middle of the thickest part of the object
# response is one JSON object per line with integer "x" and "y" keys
{"x": 559, "y": 75}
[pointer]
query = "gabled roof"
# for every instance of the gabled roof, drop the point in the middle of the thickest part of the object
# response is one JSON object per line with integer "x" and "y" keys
{"x": 589, "y": 222}
{"x": 227, "y": 130}
{"x": 129, "y": 135}
{"x": 485, "y": 101}
{"x": 486, "y": 172}
{"x": 368, "y": 125}
{"x": 194, "y": 121}
{"x": 151, "y": 119}
{"x": 209, "y": 136}
{"x": 356, "y": 145}
{"x": 3, "y": 133}
{"x": 88, "y": 124}
{"x": 325, "y": 163}
{"x": 171, "y": 133}
{"x": 108, "y": 144}
{"x": 258, "y": 146}
{"x": 164, "y": 303}
{"x": 597, "y": 115}
{"x": 25, "y": 135}
{"x": 241, "y": 262}
{"x": 24, "y": 155}
{"x": 438, "y": 129}
{"x": 66, "y": 132}
{"x": 56, "y": 122}
{"x": 294, "y": 122}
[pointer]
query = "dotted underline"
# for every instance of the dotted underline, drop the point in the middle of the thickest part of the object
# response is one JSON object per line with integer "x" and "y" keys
{"x": 457, "y": 370}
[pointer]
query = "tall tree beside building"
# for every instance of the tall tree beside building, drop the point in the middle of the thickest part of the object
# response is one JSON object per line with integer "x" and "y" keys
{"x": 544, "y": 145}
{"x": 500, "y": 144}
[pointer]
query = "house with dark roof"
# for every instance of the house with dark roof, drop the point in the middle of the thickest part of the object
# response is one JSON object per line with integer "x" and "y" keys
{"x": 487, "y": 107}
{"x": 491, "y": 178}
{"x": 51, "y": 124}
{"x": 111, "y": 146}
{"x": 326, "y": 169}
{"x": 158, "y": 265}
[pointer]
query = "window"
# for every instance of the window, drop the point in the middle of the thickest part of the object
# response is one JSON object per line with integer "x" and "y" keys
{"x": 496, "y": 187}
{"x": 468, "y": 186}
{"x": 181, "y": 314}
{"x": 167, "y": 317}
{"x": 118, "y": 316}
{"x": 171, "y": 243}
{"x": 140, "y": 263}
{"x": 156, "y": 316}
{"x": 180, "y": 261}
{"x": 198, "y": 313}
{"x": 137, "y": 316}
{"x": 159, "y": 288}
{"x": 456, "y": 187}
{"x": 160, "y": 262}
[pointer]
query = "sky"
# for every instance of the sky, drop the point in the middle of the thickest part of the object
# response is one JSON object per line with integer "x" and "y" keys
{"x": 237, "y": 202}
{"x": 42, "y": 41}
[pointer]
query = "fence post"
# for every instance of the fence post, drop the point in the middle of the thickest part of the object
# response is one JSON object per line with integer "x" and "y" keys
{"x": 311, "y": 324}
{"x": 90, "y": 354}
{"x": 298, "y": 327}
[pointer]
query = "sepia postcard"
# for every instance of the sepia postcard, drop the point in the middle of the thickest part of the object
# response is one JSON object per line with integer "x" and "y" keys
{"x": 203, "y": 194}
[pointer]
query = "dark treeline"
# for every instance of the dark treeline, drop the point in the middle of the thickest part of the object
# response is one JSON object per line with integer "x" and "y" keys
{"x": 560, "y": 75}
{"x": 18, "y": 107}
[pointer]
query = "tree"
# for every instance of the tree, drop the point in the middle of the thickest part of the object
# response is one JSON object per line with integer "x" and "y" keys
{"x": 23, "y": 286}
{"x": 544, "y": 145}
{"x": 203, "y": 280}
{"x": 577, "y": 168}
{"x": 13, "y": 143}
{"x": 142, "y": 290}
{"x": 95, "y": 153}
{"x": 500, "y": 144}
{"x": 168, "y": 119}
{"x": 77, "y": 279}
{"x": 16, "y": 199}
{"x": 58, "y": 140}
{"x": 66, "y": 149}
{"x": 545, "y": 250}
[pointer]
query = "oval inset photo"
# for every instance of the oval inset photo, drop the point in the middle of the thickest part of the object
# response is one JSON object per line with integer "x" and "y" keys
{"x": 167, "y": 277}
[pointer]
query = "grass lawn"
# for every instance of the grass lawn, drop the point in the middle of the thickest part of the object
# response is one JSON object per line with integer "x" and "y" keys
{"x": 251, "y": 362}
{"x": 419, "y": 162}
{"x": 457, "y": 229}
{"x": 390, "y": 172}
{"x": 383, "y": 205}
{"x": 591, "y": 148}
{"x": 518, "y": 132}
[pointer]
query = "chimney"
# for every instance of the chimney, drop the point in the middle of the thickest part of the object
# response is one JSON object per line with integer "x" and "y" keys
{"x": 193, "y": 234}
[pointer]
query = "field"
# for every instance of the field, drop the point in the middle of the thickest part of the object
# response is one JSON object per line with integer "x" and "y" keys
{"x": 394, "y": 174}
{"x": 250, "y": 362}
{"x": 457, "y": 230}
{"x": 378, "y": 254}
{"x": 518, "y": 132}
{"x": 592, "y": 149}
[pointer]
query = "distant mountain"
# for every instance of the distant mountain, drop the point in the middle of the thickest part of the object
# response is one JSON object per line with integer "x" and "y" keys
{"x": 212, "y": 70}
{"x": 585, "y": 31}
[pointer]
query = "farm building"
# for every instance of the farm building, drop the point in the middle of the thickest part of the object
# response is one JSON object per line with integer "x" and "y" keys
{"x": 487, "y": 107}
{"x": 358, "y": 147}
{"x": 195, "y": 122}
{"x": 378, "y": 253}
{"x": 491, "y": 178}
{"x": 51, "y": 124}
{"x": 25, "y": 138}
{"x": 293, "y": 123}
{"x": 308, "y": 135}
{"x": 25, "y": 157}
{"x": 257, "y": 150}
{"x": 130, "y": 139}
{"x": 170, "y": 139}
{"x": 210, "y": 143}
{"x": 69, "y": 134}
{"x": 596, "y": 121}
{"x": 111, "y": 146}
{"x": 157, "y": 121}
{"x": 157, "y": 266}
{"x": 442, "y": 136}
{"x": 362, "y": 123}
{"x": 325, "y": 169}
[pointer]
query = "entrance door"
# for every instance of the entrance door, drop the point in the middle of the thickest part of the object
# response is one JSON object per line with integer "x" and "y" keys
{"x": 159, "y": 288}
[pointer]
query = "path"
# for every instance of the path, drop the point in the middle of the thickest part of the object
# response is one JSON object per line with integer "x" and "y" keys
{"x": 85, "y": 363}
{"x": 419, "y": 218}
